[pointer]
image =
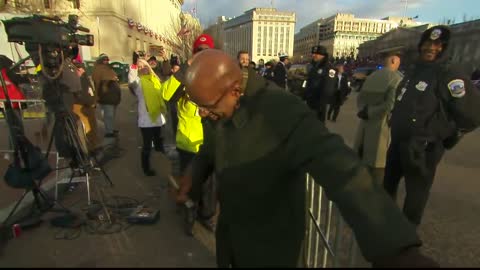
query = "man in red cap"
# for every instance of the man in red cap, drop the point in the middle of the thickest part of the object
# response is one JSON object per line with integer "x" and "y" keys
{"x": 203, "y": 42}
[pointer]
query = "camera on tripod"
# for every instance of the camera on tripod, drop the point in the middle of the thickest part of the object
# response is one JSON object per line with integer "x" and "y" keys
{"x": 52, "y": 44}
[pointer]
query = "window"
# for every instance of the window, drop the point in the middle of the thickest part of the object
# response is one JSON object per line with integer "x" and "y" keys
{"x": 47, "y": 4}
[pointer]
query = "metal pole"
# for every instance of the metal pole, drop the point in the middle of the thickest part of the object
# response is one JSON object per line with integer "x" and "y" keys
{"x": 98, "y": 34}
{"x": 405, "y": 11}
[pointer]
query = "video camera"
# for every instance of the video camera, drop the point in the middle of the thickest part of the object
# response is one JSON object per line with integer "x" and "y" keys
{"x": 174, "y": 60}
{"x": 53, "y": 34}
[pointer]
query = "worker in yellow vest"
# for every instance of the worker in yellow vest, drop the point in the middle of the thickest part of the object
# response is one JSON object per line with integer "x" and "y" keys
{"x": 189, "y": 134}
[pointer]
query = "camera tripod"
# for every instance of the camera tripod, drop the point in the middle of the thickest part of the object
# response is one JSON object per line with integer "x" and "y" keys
{"x": 82, "y": 163}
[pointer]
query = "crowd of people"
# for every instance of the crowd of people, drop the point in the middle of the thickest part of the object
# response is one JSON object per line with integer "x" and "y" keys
{"x": 239, "y": 122}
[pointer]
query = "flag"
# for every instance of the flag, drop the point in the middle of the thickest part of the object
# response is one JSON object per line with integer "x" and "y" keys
{"x": 184, "y": 31}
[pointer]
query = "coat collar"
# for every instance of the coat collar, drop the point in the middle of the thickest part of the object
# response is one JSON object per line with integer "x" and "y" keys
{"x": 255, "y": 85}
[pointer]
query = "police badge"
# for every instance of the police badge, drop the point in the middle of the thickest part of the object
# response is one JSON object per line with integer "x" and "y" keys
{"x": 421, "y": 86}
{"x": 435, "y": 34}
{"x": 331, "y": 73}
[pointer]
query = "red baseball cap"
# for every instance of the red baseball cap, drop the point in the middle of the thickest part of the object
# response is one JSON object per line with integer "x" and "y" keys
{"x": 203, "y": 39}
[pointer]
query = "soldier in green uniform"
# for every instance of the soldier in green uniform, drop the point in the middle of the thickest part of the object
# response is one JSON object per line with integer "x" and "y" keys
{"x": 260, "y": 145}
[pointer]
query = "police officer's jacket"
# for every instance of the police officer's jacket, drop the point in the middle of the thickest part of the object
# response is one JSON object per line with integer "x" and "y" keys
{"x": 280, "y": 75}
{"x": 320, "y": 81}
{"x": 434, "y": 101}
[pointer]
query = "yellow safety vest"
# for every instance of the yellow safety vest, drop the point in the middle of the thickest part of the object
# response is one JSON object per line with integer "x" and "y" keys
{"x": 189, "y": 131}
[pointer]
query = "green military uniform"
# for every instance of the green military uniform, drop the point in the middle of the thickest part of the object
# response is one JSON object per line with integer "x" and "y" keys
{"x": 260, "y": 158}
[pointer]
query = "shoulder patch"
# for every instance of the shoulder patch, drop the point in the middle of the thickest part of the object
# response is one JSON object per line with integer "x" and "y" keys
{"x": 457, "y": 88}
{"x": 331, "y": 73}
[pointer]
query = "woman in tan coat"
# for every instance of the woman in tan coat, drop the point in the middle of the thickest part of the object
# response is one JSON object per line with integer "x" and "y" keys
{"x": 375, "y": 103}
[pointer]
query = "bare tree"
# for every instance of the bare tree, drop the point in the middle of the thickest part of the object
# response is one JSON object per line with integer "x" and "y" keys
{"x": 184, "y": 31}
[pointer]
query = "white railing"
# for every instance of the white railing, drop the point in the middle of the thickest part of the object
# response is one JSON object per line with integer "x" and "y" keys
{"x": 30, "y": 109}
{"x": 328, "y": 242}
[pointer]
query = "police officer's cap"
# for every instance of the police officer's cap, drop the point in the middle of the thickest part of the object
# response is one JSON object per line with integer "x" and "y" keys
{"x": 319, "y": 49}
{"x": 282, "y": 56}
{"x": 439, "y": 32}
{"x": 103, "y": 56}
{"x": 396, "y": 51}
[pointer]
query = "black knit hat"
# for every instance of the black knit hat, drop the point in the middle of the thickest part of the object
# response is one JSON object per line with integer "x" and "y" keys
{"x": 319, "y": 50}
{"x": 439, "y": 32}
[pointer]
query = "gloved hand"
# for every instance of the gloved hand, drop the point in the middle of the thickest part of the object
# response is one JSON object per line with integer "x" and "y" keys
{"x": 409, "y": 258}
{"x": 363, "y": 114}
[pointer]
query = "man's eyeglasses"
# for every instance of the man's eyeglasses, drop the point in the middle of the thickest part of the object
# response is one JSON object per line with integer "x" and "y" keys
{"x": 215, "y": 104}
{"x": 199, "y": 49}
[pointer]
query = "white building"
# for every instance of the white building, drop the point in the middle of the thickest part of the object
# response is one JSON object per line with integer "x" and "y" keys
{"x": 119, "y": 26}
{"x": 342, "y": 33}
{"x": 263, "y": 32}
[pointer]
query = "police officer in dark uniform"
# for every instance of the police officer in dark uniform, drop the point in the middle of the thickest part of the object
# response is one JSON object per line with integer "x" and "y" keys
{"x": 320, "y": 84}
{"x": 435, "y": 105}
{"x": 280, "y": 71}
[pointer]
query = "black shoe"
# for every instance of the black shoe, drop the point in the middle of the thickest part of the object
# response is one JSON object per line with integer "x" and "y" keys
{"x": 149, "y": 172}
{"x": 208, "y": 223}
{"x": 115, "y": 131}
{"x": 110, "y": 135}
{"x": 160, "y": 149}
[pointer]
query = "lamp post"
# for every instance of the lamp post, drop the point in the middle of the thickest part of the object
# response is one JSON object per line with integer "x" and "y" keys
{"x": 98, "y": 35}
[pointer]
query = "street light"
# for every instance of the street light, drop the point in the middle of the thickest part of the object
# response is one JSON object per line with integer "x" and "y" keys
{"x": 98, "y": 35}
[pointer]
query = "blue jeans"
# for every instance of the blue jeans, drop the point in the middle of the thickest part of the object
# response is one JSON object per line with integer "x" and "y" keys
{"x": 109, "y": 112}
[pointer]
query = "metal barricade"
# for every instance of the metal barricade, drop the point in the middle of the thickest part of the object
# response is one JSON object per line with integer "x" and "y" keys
{"x": 29, "y": 109}
{"x": 328, "y": 242}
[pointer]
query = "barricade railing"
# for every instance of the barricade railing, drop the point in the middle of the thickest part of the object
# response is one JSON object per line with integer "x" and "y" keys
{"x": 29, "y": 109}
{"x": 329, "y": 242}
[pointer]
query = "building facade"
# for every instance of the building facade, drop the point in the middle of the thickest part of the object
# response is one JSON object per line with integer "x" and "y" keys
{"x": 217, "y": 33}
{"x": 263, "y": 32}
{"x": 342, "y": 33}
{"x": 463, "y": 46}
{"x": 119, "y": 26}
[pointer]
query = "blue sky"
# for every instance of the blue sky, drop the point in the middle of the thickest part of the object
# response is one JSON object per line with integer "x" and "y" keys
{"x": 307, "y": 11}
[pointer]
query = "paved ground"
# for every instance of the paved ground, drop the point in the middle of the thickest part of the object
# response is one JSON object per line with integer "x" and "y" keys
{"x": 450, "y": 229}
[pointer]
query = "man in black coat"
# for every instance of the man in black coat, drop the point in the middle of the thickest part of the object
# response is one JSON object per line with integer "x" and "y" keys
{"x": 280, "y": 71}
{"x": 320, "y": 84}
{"x": 260, "y": 155}
{"x": 342, "y": 90}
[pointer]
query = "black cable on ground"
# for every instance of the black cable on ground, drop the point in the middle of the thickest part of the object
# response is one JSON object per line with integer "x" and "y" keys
{"x": 95, "y": 221}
